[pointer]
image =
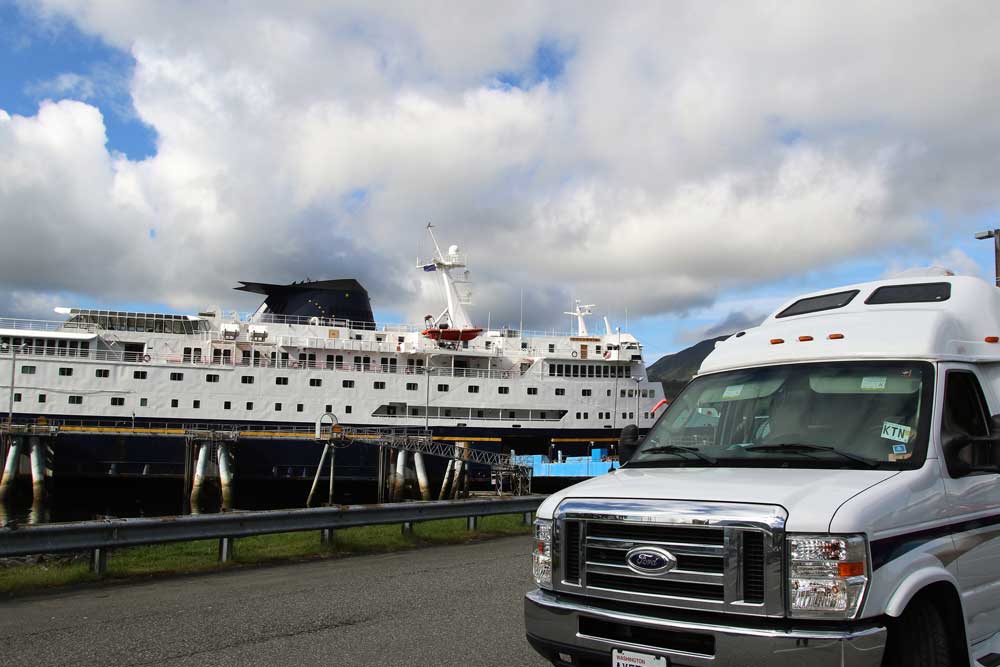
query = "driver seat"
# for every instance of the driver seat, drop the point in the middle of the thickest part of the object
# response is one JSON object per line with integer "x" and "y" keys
{"x": 787, "y": 417}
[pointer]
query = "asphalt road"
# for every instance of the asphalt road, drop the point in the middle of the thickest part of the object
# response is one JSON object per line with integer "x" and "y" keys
{"x": 458, "y": 605}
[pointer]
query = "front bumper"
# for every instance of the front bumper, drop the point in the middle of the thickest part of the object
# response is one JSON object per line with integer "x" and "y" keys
{"x": 554, "y": 627}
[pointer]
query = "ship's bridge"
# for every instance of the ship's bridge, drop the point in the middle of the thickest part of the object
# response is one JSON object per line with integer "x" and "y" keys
{"x": 116, "y": 320}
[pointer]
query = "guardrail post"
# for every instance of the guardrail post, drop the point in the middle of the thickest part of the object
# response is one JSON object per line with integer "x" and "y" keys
{"x": 227, "y": 549}
{"x": 407, "y": 528}
{"x": 99, "y": 561}
{"x": 472, "y": 523}
{"x": 526, "y": 519}
{"x": 327, "y": 536}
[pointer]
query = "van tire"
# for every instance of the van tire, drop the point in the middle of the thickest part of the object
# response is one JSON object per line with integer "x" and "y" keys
{"x": 918, "y": 637}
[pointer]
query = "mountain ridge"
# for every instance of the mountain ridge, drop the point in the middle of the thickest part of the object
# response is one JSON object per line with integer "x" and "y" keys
{"x": 674, "y": 371}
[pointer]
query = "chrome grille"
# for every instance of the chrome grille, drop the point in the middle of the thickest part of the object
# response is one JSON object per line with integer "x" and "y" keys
{"x": 729, "y": 557}
{"x": 656, "y": 534}
{"x": 753, "y": 566}
{"x": 572, "y": 570}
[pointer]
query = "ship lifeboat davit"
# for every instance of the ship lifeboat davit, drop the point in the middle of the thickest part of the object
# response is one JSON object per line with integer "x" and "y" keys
{"x": 449, "y": 334}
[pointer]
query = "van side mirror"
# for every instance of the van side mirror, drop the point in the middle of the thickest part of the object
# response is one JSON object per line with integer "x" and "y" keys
{"x": 984, "y": 450}
{"x": 628, "y": 442}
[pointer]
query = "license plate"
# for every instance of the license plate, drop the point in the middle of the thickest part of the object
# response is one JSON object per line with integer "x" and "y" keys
{"x": 633, "y": 659}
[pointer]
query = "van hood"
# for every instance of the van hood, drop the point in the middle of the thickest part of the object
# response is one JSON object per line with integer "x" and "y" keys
{"x": 810, "y": 496}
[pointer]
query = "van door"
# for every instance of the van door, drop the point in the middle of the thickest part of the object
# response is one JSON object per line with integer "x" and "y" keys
{"x": 974, "y": 502}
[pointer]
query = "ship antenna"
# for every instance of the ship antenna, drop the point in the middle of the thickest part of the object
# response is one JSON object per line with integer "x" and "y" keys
{"x": 520, "y": 331}
{"x": 430, "y": 230}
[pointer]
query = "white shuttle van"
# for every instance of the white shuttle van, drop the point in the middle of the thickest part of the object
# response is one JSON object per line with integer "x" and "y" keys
{"x": 825, "y": 492}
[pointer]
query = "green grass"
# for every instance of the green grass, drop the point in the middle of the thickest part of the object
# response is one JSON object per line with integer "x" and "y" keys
{"x": 200, "y": 556}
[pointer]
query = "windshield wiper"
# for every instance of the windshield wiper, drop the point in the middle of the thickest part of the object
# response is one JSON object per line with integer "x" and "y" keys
{"x": 677, "y": 449}
{"x": 804, "y": 448}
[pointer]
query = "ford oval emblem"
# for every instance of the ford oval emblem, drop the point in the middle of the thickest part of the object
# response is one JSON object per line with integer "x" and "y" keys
{"x": 650, "y": 560}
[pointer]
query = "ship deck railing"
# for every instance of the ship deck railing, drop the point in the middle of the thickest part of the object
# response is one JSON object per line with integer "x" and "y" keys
{"x": 20, "y": 324}
{"x": 223, "y": 362}
{"x": 463, "y": 414}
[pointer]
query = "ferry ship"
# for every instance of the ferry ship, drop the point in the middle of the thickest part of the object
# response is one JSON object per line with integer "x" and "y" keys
{"x": 312, "y": 348}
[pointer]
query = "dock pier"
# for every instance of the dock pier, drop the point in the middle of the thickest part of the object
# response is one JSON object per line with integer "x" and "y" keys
{"x": 210, "y": 453}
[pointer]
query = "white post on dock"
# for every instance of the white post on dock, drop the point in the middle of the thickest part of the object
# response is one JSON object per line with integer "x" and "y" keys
{"x": 10, "y": 466}
{"x": 333, "y": 454}
{"x": 391, "y": 477}
{"x": 319, "y": 471}
{"x": 200, "y": 471}
{"x": 226, "y": 476}
{"x": 37, "y": 452}
{"x": 461, "y": 470}
{"x": 447, "y": 478}
{"x": 399, "y": 479}
{"x": 422, "y": 483}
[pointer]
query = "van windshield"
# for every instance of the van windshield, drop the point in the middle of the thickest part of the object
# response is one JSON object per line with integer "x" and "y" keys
{"x": 828, "y": 415}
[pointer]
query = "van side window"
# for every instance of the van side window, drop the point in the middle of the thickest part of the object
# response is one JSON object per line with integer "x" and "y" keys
{"x": 964, "y": 410}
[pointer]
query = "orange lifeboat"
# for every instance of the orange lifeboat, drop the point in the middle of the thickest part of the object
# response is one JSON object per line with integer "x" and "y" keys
{"x": 449, "y": 334}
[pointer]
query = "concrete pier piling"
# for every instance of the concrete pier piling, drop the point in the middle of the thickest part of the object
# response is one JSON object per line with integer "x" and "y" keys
{"x": 456, "y": 483}
{"x": 36, "y": 448}
{"x": 333, "y": 460}
{"x": 447, "y": 479}
{"x": 39, "y": 513}
{"x": 226, "y": 476}
{"x": 460, "y": 485}
{"x": 200, "y": 472}
{"x": 391, "y": 475}
{"x": 319, "y": 471}
{"x": 399, "y": 478}
{"x": 10, "y": 466}
{"x": 422, "y": 483}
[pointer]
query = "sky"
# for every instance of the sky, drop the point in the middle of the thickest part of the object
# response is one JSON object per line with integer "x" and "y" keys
{"x": 685, "y": 166}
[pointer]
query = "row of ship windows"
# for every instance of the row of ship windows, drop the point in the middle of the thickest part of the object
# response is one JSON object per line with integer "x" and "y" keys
{"x": 346, "y": 384}
{"x": 119, "y": 401}
{"x": 607, "y": 415}
{"x": 47, "y": 346}
{"x": 590, "y": 370}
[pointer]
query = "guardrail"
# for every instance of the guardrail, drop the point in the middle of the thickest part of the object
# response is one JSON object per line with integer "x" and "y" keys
{"x": 100, "y": 536}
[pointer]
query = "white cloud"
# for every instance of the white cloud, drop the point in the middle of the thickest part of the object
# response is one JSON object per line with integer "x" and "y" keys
{"x": 684, "y": 151}
{"x": 960, "y": 264}
{"x": 952, "y": 262}
{"x": 67, "y": 84}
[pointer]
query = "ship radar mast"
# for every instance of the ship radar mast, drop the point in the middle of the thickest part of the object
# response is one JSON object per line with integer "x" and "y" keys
{"x": 579, "y": 312}
{"x": 453, "y": 323}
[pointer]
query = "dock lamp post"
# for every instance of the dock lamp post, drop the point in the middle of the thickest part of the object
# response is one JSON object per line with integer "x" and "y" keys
{"x": 995, "y": 235}
{"x": 428, "y": 372}
{"x": 637, "y": 381}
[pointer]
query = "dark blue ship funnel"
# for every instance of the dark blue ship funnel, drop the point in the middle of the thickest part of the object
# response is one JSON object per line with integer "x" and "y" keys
{"x": 327, "y": 300}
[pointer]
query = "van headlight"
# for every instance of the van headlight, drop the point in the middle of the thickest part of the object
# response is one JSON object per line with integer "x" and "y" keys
{"x": 827, "y": 575}
{"x": 541, "y": 554}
